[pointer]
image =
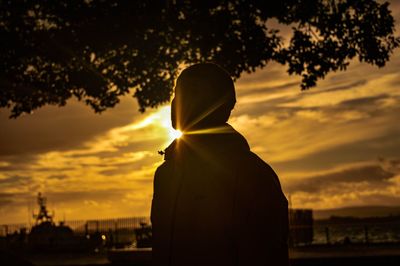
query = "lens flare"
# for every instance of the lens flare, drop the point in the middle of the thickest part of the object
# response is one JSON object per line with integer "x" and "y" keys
{"x": 175, "y": 134}
{"x": 163, "y": 119}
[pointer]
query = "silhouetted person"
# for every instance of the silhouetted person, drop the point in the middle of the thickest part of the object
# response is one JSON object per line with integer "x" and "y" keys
{"x": 215, "y": 202}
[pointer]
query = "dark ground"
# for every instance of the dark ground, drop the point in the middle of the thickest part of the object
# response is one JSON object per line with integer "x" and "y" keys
{"x": 333, "y": 255}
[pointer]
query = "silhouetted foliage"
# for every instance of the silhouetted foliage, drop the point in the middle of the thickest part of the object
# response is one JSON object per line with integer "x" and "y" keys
{"x": 98, "y": 50}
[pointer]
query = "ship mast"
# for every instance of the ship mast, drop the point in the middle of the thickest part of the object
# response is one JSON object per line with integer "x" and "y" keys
{"x": 43, "y": 215}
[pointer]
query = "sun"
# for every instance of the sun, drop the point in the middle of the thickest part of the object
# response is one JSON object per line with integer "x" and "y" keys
{"x": 175, "y": 134}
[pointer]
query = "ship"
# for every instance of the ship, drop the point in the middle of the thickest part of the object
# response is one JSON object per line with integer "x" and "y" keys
{"x": 47, "y": 236}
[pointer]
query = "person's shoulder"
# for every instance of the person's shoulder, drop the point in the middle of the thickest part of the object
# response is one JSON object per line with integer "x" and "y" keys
{"x": 163, "y": 168}
{"x": 255, "y": 159}
{"x": 256, "y": 170}
{"x": 163, "y": 173}
{"x": 255, "y": 164}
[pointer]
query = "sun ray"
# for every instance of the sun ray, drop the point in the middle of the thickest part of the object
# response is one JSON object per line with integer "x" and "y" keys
{"x": 208, "y": 111}
{"x": 211, "y": 130}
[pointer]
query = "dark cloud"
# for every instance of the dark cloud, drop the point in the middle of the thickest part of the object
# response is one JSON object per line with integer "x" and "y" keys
{"x": 5, "y": 199}
{"x": 15, "y": 180}
{"x": 267, "y": 89}
{"x": 268, "y": 108}
{"x": 352, "y": 85}
{"x": 126, "y": 167}
{"x": 22, "y": 163}
{"x": 372, "y": 174}
{"x": 57, "y": 129}
{"x": 25, "y": 198}
{"x": 80, "y": 196}
{"x": 378, "y": 199}
{"x": 19, "y": 199}
{"x": 58, "y": 177}
{"x": 16, "y": 163}
{"x": 299, "y": 94}
{"x": 364, "y": 101}
{"x": 279, "y": 105}
{"x": 387, "y": 146}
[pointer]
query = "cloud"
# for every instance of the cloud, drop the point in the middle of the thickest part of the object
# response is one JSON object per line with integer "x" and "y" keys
{"x": 364, "y": 101}
{"x": 373, "y": 175}
{"x": 15, "y": 180}
{"x": 53, "y": 128}
{"x": 363, "y": 183}
{"x": 5, "y": 199}
{"x": 374, "y": 87}
{"x": 59, "y": 177}
{"x": 347, "y": 109}
{"x": 292, "y": 135}
{"x": 350, "y": 194}
{"x": 343, "y": 87}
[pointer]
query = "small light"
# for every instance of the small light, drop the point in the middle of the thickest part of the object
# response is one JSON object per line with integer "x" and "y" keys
{"x": 103, "y": 237}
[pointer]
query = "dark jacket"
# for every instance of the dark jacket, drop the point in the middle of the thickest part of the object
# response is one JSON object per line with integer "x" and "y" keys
{"x": 217, "y": 203}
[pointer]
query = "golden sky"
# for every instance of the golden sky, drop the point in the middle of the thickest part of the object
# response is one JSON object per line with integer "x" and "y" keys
{"x": 332, "y": 146}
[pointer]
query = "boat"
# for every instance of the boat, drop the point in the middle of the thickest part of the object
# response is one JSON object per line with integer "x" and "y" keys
{"x": 47, "y": 236}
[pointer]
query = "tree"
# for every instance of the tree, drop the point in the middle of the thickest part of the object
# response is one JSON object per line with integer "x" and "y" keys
{"x": 99, "y": 50}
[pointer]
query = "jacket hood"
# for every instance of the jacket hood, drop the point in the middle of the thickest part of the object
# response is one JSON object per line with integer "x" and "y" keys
{"x": 221, "y": 141}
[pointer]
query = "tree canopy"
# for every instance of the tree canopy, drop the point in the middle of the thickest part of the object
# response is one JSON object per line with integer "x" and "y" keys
{"x": 99, "y": 50}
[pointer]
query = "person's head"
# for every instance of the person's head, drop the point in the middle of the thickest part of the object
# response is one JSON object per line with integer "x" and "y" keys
{"x": 204, "y": 97}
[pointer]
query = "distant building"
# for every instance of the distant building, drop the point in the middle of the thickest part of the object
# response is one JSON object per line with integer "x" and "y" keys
{"x": 301, "y": 226}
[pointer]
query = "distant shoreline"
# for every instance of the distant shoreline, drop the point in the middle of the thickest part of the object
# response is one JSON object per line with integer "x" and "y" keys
{"x": 357, "y": 212}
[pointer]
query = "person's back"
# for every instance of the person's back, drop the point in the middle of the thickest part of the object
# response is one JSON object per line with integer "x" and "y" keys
{"x": 215, "y": 202}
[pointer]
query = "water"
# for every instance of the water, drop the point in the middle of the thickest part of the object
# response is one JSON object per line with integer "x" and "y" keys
{"x": 357, "y": 233}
